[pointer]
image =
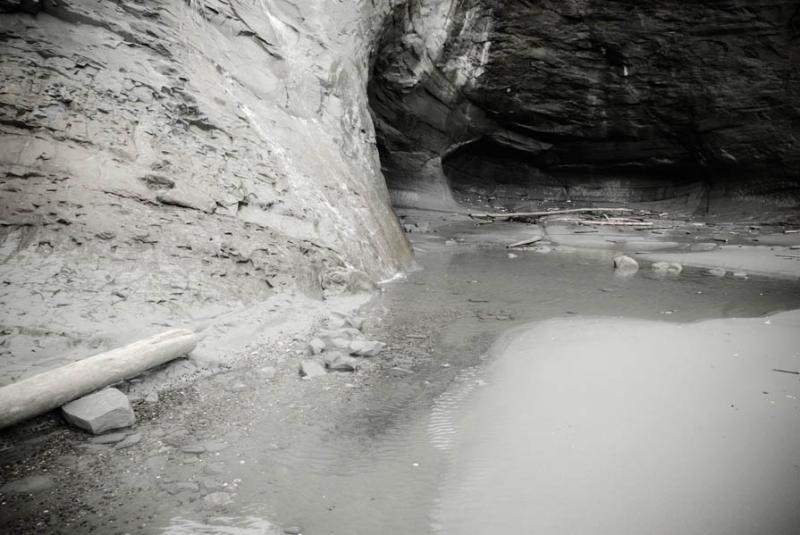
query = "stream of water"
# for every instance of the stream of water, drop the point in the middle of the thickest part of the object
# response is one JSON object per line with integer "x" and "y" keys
{"x": 382, "y": 464}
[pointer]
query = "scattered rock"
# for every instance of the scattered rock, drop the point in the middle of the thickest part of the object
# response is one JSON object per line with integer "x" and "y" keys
{"x": 215, "y": 469}
{"x": 213, "y": 446}
{"x": 311, "y": 368}
{"x": 356, "y": 322}
{"x": 268, "y": 372}
{"x": 422, "y": 227}
{"x": 366, "y": 348}
{"x": 543, "y": 249}
{"x": 667, "y": 268}
{"x": 152, "y": 397}
{"x": 193, "y": 448}
{"x": 188, "y": 199}
{"x": 293, "y": 530}
{"x": 210, "y": 483}
{"x": 347, "y": 333}
{"x": 237, "y": 386}
{"x": 190, "y": 486}
{"x": 28, "y": 485}
{"x": 110, "y": 438}
{"x": 316, "y": 346}
{"x": 101, "y": 411}
{"x": 717, "y": 272}
{"x": 740, "y": 274}
{"x": 625, "y": 265}
{"x": 129, "y": 441}
{"x": 338, "y": 362}
{"x": 218, "y": 499}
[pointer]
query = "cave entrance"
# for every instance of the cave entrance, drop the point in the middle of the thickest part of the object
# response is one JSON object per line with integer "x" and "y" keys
{"x": 488, "y": 171}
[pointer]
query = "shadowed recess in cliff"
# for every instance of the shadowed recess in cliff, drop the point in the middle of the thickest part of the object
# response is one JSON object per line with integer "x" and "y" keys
{"x": 694, "y": 104}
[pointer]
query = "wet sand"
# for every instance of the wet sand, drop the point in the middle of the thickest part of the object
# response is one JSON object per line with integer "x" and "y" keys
{"x": 612, "y": 426}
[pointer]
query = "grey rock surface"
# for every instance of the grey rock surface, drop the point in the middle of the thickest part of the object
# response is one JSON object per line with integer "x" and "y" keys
{"x": 143, "y": 145}
{"x": 696, "y": 102}
{"x": 101, "y": 411}
{"x": 625, "y": 265}
{"x": 366, "y": 348}
{"x": 311, "y": 368}
{"x": 337, "y": 362}
{"x": 30, "y": 484}
{"x": 667, "y": 268}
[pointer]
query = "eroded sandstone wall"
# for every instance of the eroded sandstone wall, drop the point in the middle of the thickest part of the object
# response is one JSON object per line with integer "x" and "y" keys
{"x": 169, "y": 158}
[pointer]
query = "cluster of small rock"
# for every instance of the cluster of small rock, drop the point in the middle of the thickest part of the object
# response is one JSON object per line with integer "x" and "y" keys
{"x": 625, "y": 266}
{"x": 338, "y": 347}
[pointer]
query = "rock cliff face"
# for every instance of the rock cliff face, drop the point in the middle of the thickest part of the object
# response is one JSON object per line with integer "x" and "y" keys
{"x": 169, "y": 160}
{"x": 175, "y": 158}
{"x": 592, "y": 101}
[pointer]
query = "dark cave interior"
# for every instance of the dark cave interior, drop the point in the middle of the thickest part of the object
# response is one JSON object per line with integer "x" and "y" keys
{"x": 608, "y": 115}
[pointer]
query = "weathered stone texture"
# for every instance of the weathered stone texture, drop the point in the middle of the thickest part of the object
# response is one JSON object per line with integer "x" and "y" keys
{"x": 587, "y": 100}
{"x": 170, "y": 159}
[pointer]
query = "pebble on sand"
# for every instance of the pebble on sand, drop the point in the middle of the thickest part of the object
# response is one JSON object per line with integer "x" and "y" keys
{"x": 101, "y": 411}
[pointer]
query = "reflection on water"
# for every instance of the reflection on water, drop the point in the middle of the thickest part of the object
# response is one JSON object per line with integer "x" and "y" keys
{"x": 609, "y": 426}
{"x": 377, "y": 465}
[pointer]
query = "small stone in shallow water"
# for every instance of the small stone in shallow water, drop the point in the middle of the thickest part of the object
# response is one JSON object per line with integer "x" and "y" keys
{"x": 717, "y": 272}
{"x": 293, "y": 530}
{"x": 625, "y": 265}
{"x": 667, "y": 268}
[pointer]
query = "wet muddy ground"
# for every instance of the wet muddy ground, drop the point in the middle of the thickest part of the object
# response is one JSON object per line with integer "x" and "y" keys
{"x": 246, "y": 452}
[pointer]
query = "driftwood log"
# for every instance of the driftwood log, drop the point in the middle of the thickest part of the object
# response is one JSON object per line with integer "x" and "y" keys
{"x": 520, "y": 215}
{"x": 51, "y": 389}
{"x": 520, "y": 243}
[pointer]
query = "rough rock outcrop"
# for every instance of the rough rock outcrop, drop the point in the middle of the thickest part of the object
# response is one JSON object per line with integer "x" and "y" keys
{"x": 183, "y": 158}
{"x": 178, "y": 158}
{"x": 588, "y": 101}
